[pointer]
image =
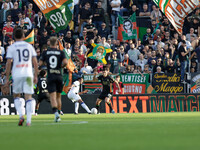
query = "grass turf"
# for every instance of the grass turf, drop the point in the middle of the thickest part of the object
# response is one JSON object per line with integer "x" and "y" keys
{"x": 163, "y": 131}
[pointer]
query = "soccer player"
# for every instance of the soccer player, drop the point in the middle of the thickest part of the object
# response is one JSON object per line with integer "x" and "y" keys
{"x": 106, "y": 94}
{"x": 55, "y": 59}
{"x": 73, "y": 94}
{"x": 43, "y": 93}
{"x": 121, "y": 86}
{"x": 23, "y": 57}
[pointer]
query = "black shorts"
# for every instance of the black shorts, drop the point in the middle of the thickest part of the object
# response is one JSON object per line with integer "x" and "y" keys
{"x": 55, "y": 84}
{"x": 43, "y": 96}
{"x": 103, "y": 95}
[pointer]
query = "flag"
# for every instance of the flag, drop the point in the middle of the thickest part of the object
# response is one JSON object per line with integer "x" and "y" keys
{"x": 70, "y": 66}
{"x": 58, "y": 12}
{"x": 30, "y": 38}
{"x": 177, "y": 10}
{"x": 99, "y": 52}
{"x": 128, "y": 28}
{"x": 150, "y": 89}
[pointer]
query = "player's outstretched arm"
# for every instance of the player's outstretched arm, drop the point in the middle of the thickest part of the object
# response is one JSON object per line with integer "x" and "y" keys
{"x": 117, "y": 85}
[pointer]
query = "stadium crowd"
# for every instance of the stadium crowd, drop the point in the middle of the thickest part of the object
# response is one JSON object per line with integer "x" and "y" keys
{"x": 160, "y": 50}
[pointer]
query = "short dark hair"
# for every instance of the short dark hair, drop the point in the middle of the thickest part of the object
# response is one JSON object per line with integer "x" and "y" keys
{"x": 18, "y": 33}
{"x": 42, "y": 73}
{"x": 53, "y": 40}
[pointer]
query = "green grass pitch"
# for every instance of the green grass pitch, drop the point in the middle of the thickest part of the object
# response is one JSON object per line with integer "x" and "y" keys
{"x": 144, "y": 131}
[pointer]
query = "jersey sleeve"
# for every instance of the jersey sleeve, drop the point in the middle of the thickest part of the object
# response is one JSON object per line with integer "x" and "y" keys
{"x": 33, "y": 51}
{"x": 76, "y": 83}
{"x": 9, "y": 53}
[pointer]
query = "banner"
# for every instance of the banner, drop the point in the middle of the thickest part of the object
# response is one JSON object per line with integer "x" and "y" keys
{"x": 58, "y": 12}
{"x": 167, "y": 83}
{"x": 128, "y": 28}
{"x": 133, "y": 83}
{"x": 137, "y": 103}
{"x": 195, "y": 82}
{"x": 99, "y": 52}
{"x": 30, "y": 38}
{"x": 177, "y": 10}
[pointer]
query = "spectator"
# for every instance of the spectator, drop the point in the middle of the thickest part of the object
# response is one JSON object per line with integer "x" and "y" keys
{"x": 114, "y": 61}
{"x": 22, "y": 24}
{"x": 141, "y": 62}
{"x": 9, "y": 19}
{"x": 103, "y": 31}
{"x": 159, "y": 42}
{"x": 86, "y": 69}
{"x": 125, "y": 7}
{"x": 40, "y": 22}
{"x": 127, "y": 61}
{"x": 120, "y": 68}
{"x": 115, "y": 4}
{"x": 14, "y": 12}
{"x": 30, "y": 13}
{"x": 9, "y": 30}
{"x": 98, "y": 15}
{"x": 84, "y": 14}
{"x": 133, "y": 53}
{"x": 183, "y": 52}
{"x": 191, "y": 34}
{"x": 166, "y": 24}
{"x": 61, "y": 39}
{"x": 69, "y": 38}
{"x": 90, "y": 29}
{"x": 135, "y": 10}
{"x": 36, "y": 36}
{"x": 81, "y": 57}
{"x": 44, "y": 38}
{"x": 159, "y": 70}
{"x": 146, "y": 36}
{"x": 27, "y": 22}
{"x": 193, "y": 67}
{"x": 2, "y": 52}
{"x": 68, "y": 49}
{"x": 145, "y": 11}
{"x": 170, "y": 67}
{"x": 196, "y": 25}
{"x": 156, "y": 14}
{"x": 8, "y": 5}
{"x": 4, "y": 38}
{"x": 104, "y": 43}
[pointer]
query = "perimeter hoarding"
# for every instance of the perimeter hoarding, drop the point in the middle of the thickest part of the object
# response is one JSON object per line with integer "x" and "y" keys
{"x": 142, "y": 103}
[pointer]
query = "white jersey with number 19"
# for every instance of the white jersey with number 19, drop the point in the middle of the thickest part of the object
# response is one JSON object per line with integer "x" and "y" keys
{"x": 21, "y": 53}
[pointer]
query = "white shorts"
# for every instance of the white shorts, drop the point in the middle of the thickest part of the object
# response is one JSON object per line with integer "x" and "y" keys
{"x": 73, "y": 96}
{"x": 23, "y": 85}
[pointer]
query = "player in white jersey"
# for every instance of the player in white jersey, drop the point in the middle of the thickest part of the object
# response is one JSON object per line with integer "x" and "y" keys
{"x": 73, "y": 94}
{"x": 23, "y": 57}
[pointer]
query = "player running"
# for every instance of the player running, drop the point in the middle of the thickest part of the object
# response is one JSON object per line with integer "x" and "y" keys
{"x": 73, "y": 94}
{"x": 106, "y": 93}
{"x": 23, "y": 57}
{"x": 43, "y": 93}
{"x": 121, "y": 86}
{"x": 55, "y": 60}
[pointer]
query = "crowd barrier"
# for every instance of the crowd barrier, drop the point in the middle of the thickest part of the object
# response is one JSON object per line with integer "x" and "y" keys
{"x": 138, "y": 103}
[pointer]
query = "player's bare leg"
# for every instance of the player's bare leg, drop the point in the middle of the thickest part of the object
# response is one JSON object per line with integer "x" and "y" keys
{"x": 18, "y": 107}
{"x": 54, "y": 105}
{"x": 59, "y": 103}
{"x": 81, "y": 102}
{"x": 107, "y": 100}
{"x": 29, "y": 107}
{"x": 98, "y": 105}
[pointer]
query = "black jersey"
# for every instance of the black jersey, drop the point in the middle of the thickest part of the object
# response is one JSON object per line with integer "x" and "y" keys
{"x": 42, "y": 85}
{"x": 53, "y": 58}
{"x": 106, "y": 82}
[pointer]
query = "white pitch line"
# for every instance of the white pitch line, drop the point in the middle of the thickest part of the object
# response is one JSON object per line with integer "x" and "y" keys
{"x": 62, "y": 123}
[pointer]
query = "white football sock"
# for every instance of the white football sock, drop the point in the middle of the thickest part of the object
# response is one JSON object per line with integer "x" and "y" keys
{"x": 18, "y": 106}
{"x": 29, "y": 109}
{"x": 76, "y": 107}
{"x": 85, "y": 107}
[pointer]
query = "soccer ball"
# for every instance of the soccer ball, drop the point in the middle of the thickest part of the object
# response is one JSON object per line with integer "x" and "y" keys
{"x": 94, "y": 111}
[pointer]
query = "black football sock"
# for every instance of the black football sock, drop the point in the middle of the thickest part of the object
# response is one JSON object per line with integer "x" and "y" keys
{"x": 97, "y": 107}
{"x": 36, "y": 110}
{"x": 110, "y": 106}
{"x": 54, "y": 110}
